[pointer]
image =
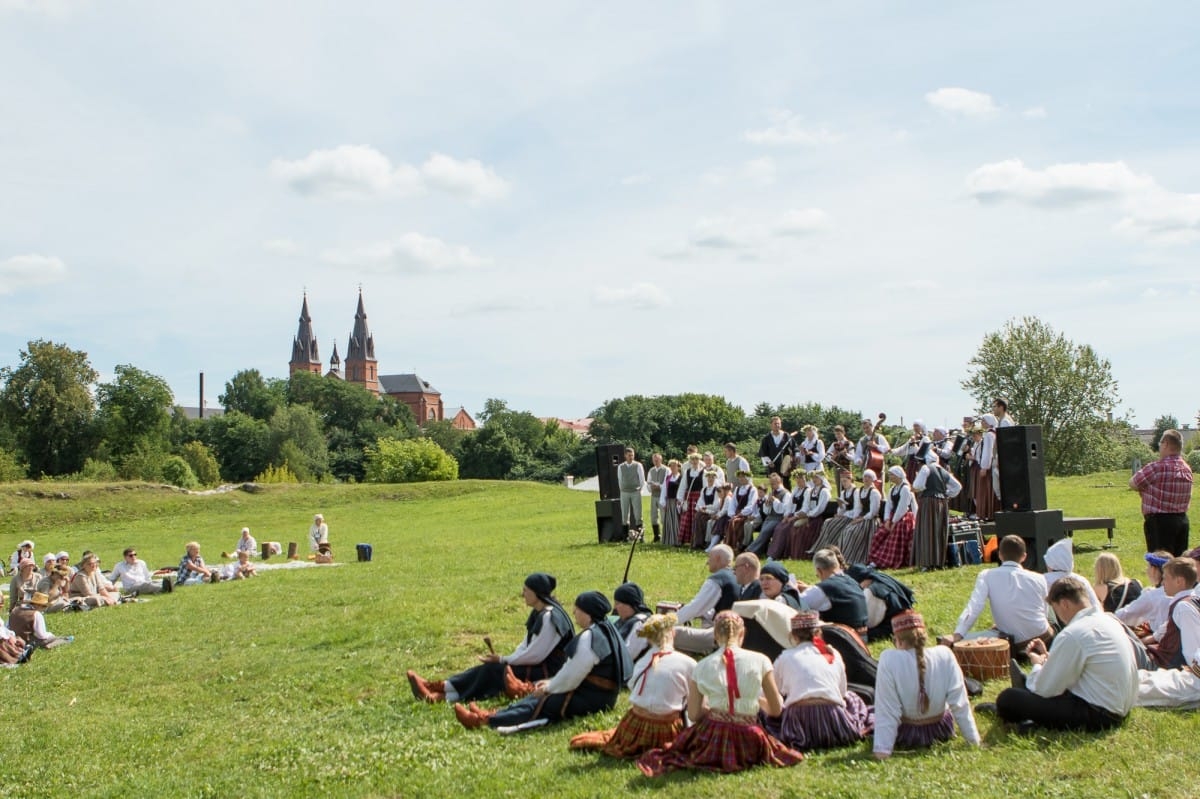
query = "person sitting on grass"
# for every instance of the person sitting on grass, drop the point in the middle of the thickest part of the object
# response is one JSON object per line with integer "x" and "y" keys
{"x": 135, "y": 577}
{"x": 589, "y": 682}
{"x": 318, "y": 534}
{"x": 548, "y": 630}
{"x": 24, "y": 550}
{"x": 725, "y": 694}
{"x": 1087, "y": 680}
{"x": 247, "y": 543}
{"x": 629, "y": 602}
{"x": 836, "y": 596}
{"x": 91, "y": 587}
{"x": 776, "y": 584}
{"x": 29, "y": 624}
{"x": 1148, "y": 612}
{"x": 243, "y": 568}
{"x": 1060, "y": 563}
{"x": 24, "y": 582}
{"x": 819, "y": 711}
{"x": 1112, "y": 587}
{"x": 58, "y": 589}
{"x": 658, "y": 695}
{"x": 1181, "y": 632}
{"x": 13, "y": 649}
{"x": 919, "y": 692}
{"x": 192, "y": 570}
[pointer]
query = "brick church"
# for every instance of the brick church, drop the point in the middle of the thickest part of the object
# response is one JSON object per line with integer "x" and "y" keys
{"x": 361, "y": 368}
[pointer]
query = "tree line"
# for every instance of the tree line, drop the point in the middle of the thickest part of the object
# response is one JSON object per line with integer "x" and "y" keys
{"x": 57, "y": 421}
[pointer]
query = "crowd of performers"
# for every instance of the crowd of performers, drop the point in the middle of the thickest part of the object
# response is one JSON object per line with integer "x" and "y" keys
{"x": 894, "y": 517}
{"x": 744, "y": 674}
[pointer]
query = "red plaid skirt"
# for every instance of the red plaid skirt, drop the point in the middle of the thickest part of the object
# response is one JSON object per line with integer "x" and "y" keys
{"x": 688, "y": 517}
{"x": 721, "y": 743}
{"x": 892, "y": 549}
{"x": 637, "y": 732}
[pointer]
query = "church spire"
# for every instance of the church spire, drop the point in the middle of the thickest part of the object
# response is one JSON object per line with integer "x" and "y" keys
{"x": 305, "y": 355}
{"x": 361, "y": 366}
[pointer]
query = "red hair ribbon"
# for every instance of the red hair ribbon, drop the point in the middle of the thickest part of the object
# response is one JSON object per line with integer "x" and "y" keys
{"x": 731, "y": 682}
{"x": 646, "y": 671}
{"x": 823, "y": 648}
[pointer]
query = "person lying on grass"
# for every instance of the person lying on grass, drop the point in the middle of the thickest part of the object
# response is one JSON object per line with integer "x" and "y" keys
{"x": 548, "y": 630}
{"x": 589, "y": 682}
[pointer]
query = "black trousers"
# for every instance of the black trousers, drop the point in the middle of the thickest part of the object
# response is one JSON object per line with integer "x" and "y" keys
{"x": 1167, "y": 531}
{"x": 1063, "y": 712}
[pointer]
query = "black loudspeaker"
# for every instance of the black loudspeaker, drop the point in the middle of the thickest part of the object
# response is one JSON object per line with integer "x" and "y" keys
{"x": 608, "y": 521}
{"x": 608, "y": 456}
{"x": 1022, "y": 468}
{"x": 1039, "y": 528}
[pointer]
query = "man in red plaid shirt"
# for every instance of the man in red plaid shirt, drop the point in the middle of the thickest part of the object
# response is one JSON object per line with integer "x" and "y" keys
{"x": 1166, "y": 489}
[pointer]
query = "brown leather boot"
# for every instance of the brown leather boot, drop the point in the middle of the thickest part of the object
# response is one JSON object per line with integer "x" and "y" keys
{"x": 471, "y": 718}
{"x": 431, "y": 692}
{"x": 515, "y": 688}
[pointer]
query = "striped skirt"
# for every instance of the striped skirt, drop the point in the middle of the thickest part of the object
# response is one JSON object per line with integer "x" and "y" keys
{"x": 856, "y": 539}
{"x": 831, "y": 534}
{"x": 802, "y": 538}
{"x": 688, "y": 517}
{"x": 636, "y": 733}
{"x": 781, "y": 539}
{"x": 911, "y": 736}
{"x": 670, "y": 524}
{"x": 985, "y": 497}
{"x": 806, "y": 727}
{"x": 932, "y": 533}
{"x": 892, "y": 549}
{"x": 719, "y": 742}
{"x": 700, "y": 520}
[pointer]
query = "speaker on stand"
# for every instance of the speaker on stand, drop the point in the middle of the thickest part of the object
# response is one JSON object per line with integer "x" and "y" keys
{"x": 1022, "y": 468}
{"x": 608, "y": 457}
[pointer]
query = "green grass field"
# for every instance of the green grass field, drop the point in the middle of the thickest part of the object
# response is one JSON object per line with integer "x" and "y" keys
{"x": 292, "y": 684}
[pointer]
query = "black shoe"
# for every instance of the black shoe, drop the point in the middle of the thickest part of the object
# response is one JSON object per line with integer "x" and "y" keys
{"x": 1015, "y": 675}
{"x": 986, "y": 707}
{"x": 1027, "y": 728}
{"x": 167, "y": 585}
{"x": 26, "y": 655}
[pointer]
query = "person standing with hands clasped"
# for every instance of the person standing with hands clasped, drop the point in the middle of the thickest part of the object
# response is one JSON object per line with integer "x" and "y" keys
{"x": 631, "y": 477}
{"x": 1166, "y": 489}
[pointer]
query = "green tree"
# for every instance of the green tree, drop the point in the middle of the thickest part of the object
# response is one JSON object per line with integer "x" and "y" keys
{"x": 443, "y": 433}
{"x": 491, "y": 454}
{"x": 47, "y": 405}
{"x": 176, "y": 472}
{"x": 247, "y": 392}
{"x": 241, "y": 444}
{"x": 11, "y": 469}
{"x": 667, "y": 423}
{"x": 1161, "y": 425}
{"x": 298, "y": 440}
{"x": 1065, "y": 387}
{"x": 202, "y": 463}
{"x": 134, "y": 412}
{"x": 415, "y": 460}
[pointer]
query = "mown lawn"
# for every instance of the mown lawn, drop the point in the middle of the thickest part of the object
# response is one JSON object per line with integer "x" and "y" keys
{"x": 292, "y": 684}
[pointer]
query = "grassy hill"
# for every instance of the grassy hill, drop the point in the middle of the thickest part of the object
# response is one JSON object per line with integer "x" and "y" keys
{"x": 292, "y": 684}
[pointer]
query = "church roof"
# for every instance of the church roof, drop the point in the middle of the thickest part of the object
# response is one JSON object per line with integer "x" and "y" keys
{"x": 362, "y": 343}
{"x": 304, "y": 345}
{"x": 406, "y": 384}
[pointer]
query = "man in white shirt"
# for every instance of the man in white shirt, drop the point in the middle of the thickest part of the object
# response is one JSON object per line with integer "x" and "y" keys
{"x": 734, "y": 463}
{"x": 717, "y": 593}
{"x": 1087, "y": 680}
{"x": 775, "y": 507}
{"x": 135, "y": 577}
{"x": 1017, "y": 598}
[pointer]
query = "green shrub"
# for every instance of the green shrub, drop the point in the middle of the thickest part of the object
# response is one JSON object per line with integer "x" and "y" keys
{"x": 1193, "y": 460}
{"x": 204, "y": 466}
{"x": 11, "y": 469}
{"x": 98, "y": 471}
{"x": 175, "y": 470}
{"x": 142, "y": 464}
{"x": 415, "y": 460}
{"x": 277, "y": 474}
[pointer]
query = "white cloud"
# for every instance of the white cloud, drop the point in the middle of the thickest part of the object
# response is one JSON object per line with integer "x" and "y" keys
{"x": 757, "y": 172}
{"x": 1151, "y": 213}
{"x": 469, "y": 179}
{"x": 357, "y": 171}
{"x": 1057, "y": 185}
{"x": 803, "y": 222}
{"x": 955, "y": 100}
{"x": 407, "y": 254}
{"x": 1036, "y": 112}
{"x": 639, "y": 295}
{"x": 30, "y": 271}
{"x": 787, "y": 128}
{"x": 282, "y": 247}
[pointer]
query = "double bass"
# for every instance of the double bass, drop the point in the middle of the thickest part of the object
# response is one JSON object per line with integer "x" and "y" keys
{"x": 872, "y": 454}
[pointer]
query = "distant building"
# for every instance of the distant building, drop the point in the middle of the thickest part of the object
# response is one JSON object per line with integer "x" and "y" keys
{"x": 361, "y": 368}
{"x": 460, "y": 418}
{"x": 579, "y": 427}
{"x": 193, "y": 412}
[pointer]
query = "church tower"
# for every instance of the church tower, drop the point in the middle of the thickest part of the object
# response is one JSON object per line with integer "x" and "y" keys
{"x": 305, "y": 357}
{"x": 335, "y": 364}
{"x": 361, "y": 366}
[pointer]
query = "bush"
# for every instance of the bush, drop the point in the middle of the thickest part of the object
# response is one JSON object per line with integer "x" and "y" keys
{"x": 414, "y": 460}
{"x": 277, "y": 474}
{"x": 175, "y": 470}
{"x": 10, "y": 468}
{"x": 1193, "y": 460}
{"x": 202, "y": 463}
{"x": 98, "y": 471}
{"x": 143, "y": 464}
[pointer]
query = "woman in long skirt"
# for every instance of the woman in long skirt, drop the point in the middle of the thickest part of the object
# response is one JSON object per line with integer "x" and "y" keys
{"x": 819, "y": 711}
{"x": 919, "y": 692}
{"x": 658, "y": 694}
{"x": 723, "y": 701}
{"x": 891, "y": 546}
{"x": 670, "y": 505}
{"x": 856, "y": 538}
{"x": 936, "y": 486}
{"x": 690, "y": 485}
{"x": 807, "y": 527}
{"x": 985, "y": 452}
{"x": 831, "y": 530}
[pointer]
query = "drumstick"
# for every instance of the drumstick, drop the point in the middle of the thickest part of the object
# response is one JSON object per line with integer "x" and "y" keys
{"x": 487, "y": 639}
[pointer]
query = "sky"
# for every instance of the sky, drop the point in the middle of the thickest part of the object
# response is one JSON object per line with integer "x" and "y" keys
{"x": 558, "y": 203}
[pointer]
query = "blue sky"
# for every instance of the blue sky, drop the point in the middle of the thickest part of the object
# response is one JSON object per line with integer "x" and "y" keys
{"x": 558, "y": 203}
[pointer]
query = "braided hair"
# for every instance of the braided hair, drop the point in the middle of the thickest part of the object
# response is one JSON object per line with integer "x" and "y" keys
{"x": 728, "y": 628}
{"x": 916, "y": 639}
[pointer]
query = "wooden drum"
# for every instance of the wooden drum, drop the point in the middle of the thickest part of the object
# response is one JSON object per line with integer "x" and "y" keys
{"x": 983, "y": 658}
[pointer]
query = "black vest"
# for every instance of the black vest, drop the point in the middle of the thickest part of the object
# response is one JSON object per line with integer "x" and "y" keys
{"x": 741, "y": 497}
{"x": 847, "y": 604}
{"x": 935, "y": 483}
{"x": 730, "y": 590}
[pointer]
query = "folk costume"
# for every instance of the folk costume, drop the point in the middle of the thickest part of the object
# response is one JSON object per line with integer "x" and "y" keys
{"x": 856, "y": 537}
{"x": 891, "y": 546}
{"x": 935, "y": 486}
{"x": 690, "y": 485}
{"x": 832, "y": 527}
{"x": 809, "y": 519}
{"x": 670, "y": 509}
